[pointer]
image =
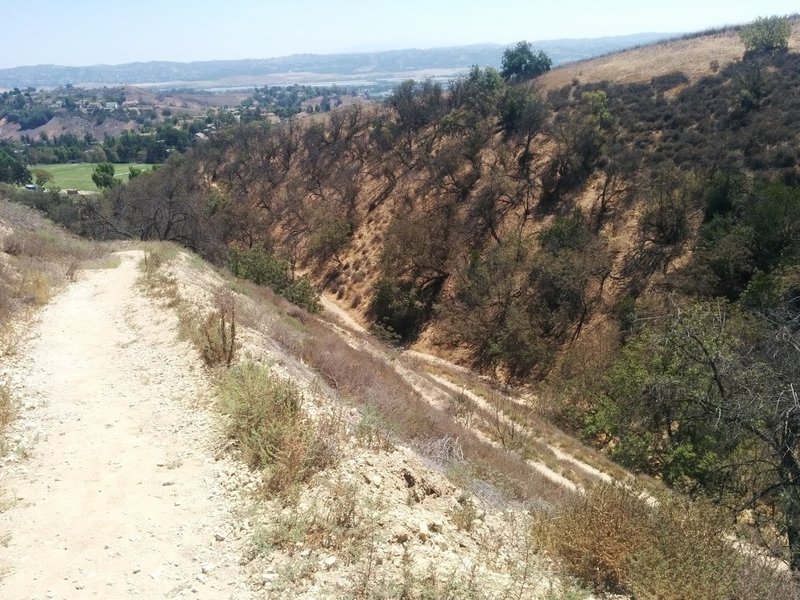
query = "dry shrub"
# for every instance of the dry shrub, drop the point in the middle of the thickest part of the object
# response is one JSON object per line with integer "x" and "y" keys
{"x": 6, "y": 299}
{"x": 267, "y": 420}
{"x": 14, "y": 245}
{"x": 342, "y": 521}
{"x": 465, "y": 513}
{"x": 348, "y": 524}
{"x": 72, "y": 271}
{"x": 216, "y": 338}
{"x": 8, "y": 408}
{"x": 462, "y": 408}
{"x": 372, "y": 431}
{"x": 155, "y": 255}
{"x": 35, "y": 288}
{"x": 675, "y": 549}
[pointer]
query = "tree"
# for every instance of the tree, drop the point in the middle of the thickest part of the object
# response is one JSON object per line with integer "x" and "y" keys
{"x": 12, "y": 170}
{"x": 103, "y": 175}
{"x": 707, "y": 398}
{"x": 523, "y": 114}
{"x": 42, "y": 177}
{"x": 766, "y": 34}
{"x": 520, "y": 63}
{"x": 479, "y": 92}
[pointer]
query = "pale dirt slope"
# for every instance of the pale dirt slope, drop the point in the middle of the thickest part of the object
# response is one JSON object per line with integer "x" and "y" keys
{"x": 121, "y": 496}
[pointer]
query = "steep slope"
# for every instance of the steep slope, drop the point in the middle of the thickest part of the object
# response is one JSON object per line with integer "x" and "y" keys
{"x": 491, "y": 224}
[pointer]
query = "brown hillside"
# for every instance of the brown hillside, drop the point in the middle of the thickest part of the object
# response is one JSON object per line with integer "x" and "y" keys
{"x": 628, "y": 247}
{"x": 695, "y": 57}
{"x": 490, "y": 224}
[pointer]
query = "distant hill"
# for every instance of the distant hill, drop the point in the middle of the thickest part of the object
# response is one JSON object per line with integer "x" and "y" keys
{"x": 695, "y": 55}
{"x": 308, "y": 68}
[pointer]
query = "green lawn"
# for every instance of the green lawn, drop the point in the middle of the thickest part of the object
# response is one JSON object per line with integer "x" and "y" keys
{"x": 79, "y": 176}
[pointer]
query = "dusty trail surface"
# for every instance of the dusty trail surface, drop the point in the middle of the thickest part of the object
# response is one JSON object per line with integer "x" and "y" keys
{"x": 120, "y": 495}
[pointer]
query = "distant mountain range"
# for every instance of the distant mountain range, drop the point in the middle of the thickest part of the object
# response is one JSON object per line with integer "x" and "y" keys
{"x": 308, "y": 68}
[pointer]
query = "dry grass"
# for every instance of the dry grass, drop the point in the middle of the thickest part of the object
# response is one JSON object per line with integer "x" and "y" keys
{"x": 371, "y": 382}
{"x": 8, "y": 412}
{"x": 36, "y": 259}
{"x": 156, "y": 255}
{"x": 613, "y": 539}
{"x": 693, "y": 56}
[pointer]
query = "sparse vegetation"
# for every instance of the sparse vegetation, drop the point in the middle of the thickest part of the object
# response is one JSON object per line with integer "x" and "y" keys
{"x": 38, "y": 258}
{"x": 8, "y": 412}
{"x": 265, "y": 416}
{"x": 672, "y": 549}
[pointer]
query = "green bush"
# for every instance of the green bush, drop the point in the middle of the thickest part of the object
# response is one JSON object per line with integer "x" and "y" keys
{"x": 303, "y": 294}
{"x": 274, "y": 433}
{"x": 767, "y": 34}
{"x": 398, "y": 307}
{"x": 263, "y": 268}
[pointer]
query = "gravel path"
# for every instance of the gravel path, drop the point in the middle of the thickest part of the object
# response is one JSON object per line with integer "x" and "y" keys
{"x": 117, "y": 493}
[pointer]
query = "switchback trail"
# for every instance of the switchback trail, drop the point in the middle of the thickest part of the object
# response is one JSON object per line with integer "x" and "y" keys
{"x": 117, "y": 493}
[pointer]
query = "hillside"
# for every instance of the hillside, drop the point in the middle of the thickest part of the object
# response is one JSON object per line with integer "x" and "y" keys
{"x": 132, "y": 470}
{"x": 299, "y": 472}
{"x": 354, "y": 200}
{"x": 620, "y": 257}
{"x": 693, "y": 56}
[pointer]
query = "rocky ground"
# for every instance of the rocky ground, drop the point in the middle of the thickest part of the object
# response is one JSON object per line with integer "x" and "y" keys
{"x": 114, "y": 479}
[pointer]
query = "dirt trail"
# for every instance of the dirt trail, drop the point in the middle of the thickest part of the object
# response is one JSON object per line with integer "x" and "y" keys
{"x": 121, "y": 496}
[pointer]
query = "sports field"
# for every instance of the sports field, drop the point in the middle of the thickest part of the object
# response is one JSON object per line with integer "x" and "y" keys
{"x": 79, "y": 175}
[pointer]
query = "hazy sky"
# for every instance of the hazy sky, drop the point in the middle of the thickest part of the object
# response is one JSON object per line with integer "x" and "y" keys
{"x": 87, "y": 32}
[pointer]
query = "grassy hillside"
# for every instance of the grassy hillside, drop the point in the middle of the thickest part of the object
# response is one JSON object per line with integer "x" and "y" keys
{"x": 696, "y": 56}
